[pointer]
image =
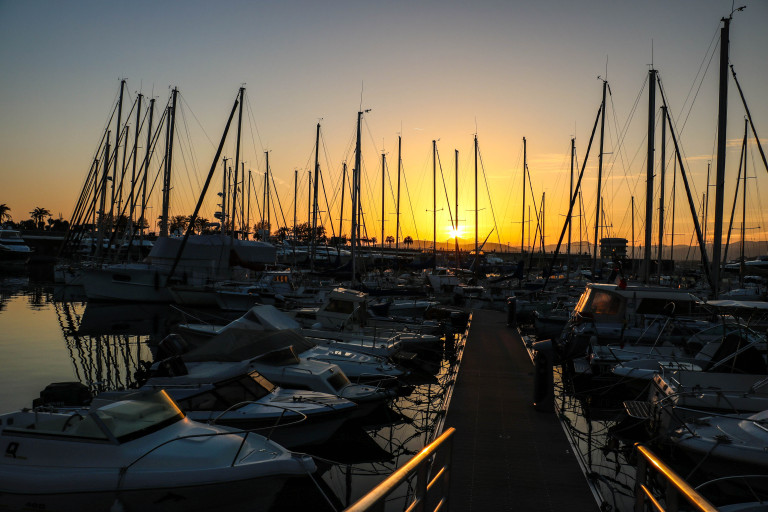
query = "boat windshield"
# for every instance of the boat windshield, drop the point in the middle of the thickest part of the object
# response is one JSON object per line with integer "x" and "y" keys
{"x": 129, "y": 419}
{"x": 121, "y": 421}
{"x": 230, "y": 394}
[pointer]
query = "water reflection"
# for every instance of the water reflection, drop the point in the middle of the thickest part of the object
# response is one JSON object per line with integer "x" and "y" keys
{"x": 108, "y": 343}
{"x": 53, "y": 335}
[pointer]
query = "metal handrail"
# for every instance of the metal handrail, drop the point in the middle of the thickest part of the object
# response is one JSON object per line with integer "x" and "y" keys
{"x": 419, "y": 465}
{"x": 676, "y": 486}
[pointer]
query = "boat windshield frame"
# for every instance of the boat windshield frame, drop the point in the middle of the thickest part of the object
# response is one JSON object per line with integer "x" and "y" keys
{"x": 116, "y": 422}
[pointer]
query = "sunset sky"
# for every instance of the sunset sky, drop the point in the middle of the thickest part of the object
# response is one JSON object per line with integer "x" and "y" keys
{"x": 428, "y": 71}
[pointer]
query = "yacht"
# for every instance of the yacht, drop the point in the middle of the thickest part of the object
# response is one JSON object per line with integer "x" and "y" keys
{"x": 132, "y": 455}
{"x": 13, "y": 249}
{"x": 237, "y": 396}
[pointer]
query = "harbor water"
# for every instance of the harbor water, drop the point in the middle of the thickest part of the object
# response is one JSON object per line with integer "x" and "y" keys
{"x": 52, "y": 334}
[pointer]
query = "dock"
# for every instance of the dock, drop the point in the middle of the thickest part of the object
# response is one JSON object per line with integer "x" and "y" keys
{"x": 506, "y": 454}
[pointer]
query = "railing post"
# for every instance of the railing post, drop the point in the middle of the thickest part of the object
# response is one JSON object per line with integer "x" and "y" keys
{"x": 421, "y": 484}
{"x": 671, "y": 496}
{"x": 448, "y": 460}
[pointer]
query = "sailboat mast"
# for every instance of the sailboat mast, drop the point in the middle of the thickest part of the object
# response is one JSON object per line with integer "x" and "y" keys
{"x": 223, "y": 214}
{"x": 102, "y": 201}
{"x": 343, "y": 187}
{"x": 168, "y": 162}
{"x": 743, "y": 209}
{"x": 243, "y": 225}
{"x": 133, "y": 170}
{"x": 295, "y": 196}
{"x": 633, "y": 228}
{"x": 522, "y": 232}
{"x": 313, "y": 247}
{"x": 434, "y": 201}
{"x": 397, "y": 214}
{"x": 456, "y": 224}
{"x": 268, "y": 225}
{"x": 477, "y": 254}
{"x": 543, "y": 197}
{"x": 147, "y": 156}
{"x": 661, "y": 184}
{"x": 649, "y": 173}
{"x": 117, "y": 145}
{"x": 237, "y": 160}
{"x": 674, "y": 193}
{"x": 383, "y": 171}
{"x": 126, "y": 130}
{"x": 355, "y": 195}
{"x": 599, "y": 181}
{"x": 570, "y": 195}
{"x": 721, "y": 148}
{"x": 248, "y": 208}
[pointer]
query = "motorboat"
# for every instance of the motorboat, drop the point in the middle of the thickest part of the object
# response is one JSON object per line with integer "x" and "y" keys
{"x": 723, "y": 349}
{"x": 257, "y": 331}
{"x": 725, "y": 446}
{"x": 237, "y": 396}
{"x": 442, "y": 279}
{"x": 613, "y": 323}
{"x": 13, "y": 249}
{"x": 345, "y": 309}
{"x": 136, "y": 454}
{"x": 286, "y": 370}
{"x": 204, "y": 260}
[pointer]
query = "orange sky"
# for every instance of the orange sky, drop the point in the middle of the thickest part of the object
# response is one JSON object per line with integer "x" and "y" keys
{"x": 432, "y": 71}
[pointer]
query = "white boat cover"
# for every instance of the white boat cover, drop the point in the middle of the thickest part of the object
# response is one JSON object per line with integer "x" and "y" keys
{"x": 242, "y": 344}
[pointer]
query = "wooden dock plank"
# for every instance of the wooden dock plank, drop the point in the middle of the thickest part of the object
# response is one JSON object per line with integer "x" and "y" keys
{"x": 506, "y": 454}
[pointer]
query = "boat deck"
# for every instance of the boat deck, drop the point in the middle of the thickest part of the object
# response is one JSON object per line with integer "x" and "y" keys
{"x": 506, "y": 454}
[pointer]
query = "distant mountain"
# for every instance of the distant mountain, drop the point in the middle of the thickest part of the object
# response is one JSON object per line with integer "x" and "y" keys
{"x": 681, "y": 252}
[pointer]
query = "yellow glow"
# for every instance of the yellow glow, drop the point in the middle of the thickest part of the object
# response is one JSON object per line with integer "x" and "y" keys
{"x": 455, "y": 233}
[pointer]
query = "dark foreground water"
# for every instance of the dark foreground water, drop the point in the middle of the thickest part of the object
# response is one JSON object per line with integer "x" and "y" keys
{"x": 51, "y": 334}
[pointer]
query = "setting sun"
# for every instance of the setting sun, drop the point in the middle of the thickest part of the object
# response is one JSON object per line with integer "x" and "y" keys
{"x": 455, "y": 233}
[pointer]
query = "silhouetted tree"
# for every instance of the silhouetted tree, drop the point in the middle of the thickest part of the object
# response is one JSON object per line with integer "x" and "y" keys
{"x": 390, "y": 240}
{"x": 4, "y": 215}
{"x": 39, "y": 215}
{"x": 178, "y": 224}
{"x": 408, "y": 241}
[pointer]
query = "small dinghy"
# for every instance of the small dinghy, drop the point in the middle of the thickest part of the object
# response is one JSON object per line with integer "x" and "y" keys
{"x": 137, "y": 454}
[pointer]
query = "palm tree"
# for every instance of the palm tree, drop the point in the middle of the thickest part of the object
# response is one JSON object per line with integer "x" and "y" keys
{"x": 4, "y": 215}
{"x": 39, "y": 215}
{"x": 178, "y": 223}
{"x": 201, "y": 225}
{"x": 408, "y": 241}
{"x": 390, "y": 240}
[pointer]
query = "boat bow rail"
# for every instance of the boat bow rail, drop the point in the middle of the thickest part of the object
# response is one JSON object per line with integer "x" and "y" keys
{"x": 427, "y": 478}
{"x": 676, "y": 486}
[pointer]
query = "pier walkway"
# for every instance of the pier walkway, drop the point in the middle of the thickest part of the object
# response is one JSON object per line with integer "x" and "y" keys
{"x": 506, "y": 454}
